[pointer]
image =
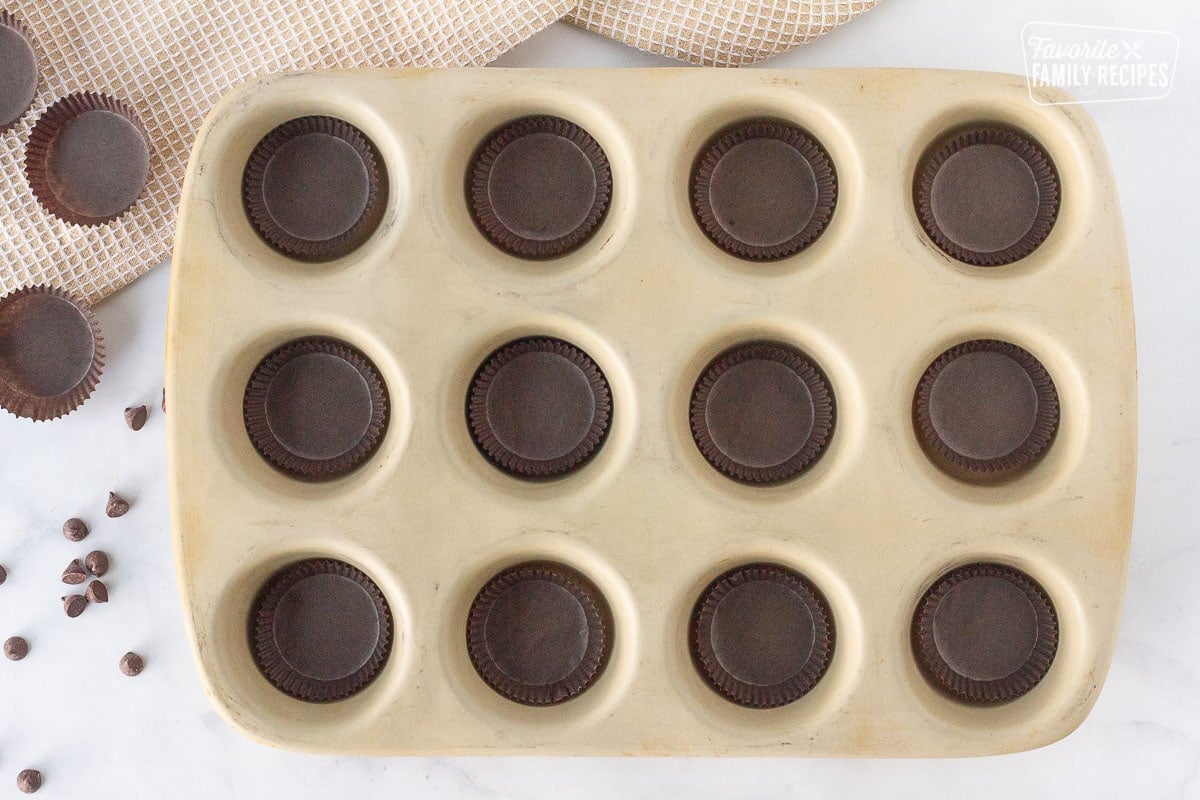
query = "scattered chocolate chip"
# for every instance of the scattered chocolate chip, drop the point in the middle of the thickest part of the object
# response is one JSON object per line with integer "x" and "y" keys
{"x": 3, "y": 574}
{"x": 316, "y": 408}
{"x": 18, "y": 82}
{"x": 88, "y": 159}
{"x": 97, "y": 563}
{"x": 539, "y": 408}
{"x": 539, "y": 633}
{"x": 986, "y": 411}
{"x": 762, "y": 635}
{"x": 539, "y": 187}
{"x": 135, "y": 417}
{"x": 96, "y": 592}
{"x": 987, "y": 195}
{"x": 29, "y": 781}
{"x": 117, "y": 506}
{"x": 762, "y": 412}
{"x": 74, "y": 573}
{"x": 164, "y": 399}
{"x": 985, "y": 633}
{"x": 51, "y": 352}
{"x": 315, "y": 188}
{"x": 132, "y": 664}
{"x": 16, "y": 648}
{"x": 75, "y": 529}
{"x": 74, "y": 604}
{"x": 763, "y": 190}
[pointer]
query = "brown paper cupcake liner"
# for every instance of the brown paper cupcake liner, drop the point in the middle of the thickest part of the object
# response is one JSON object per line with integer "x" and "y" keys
{"x": 485, "y": 438}
{"x": 749, "y": 694}
{"x": 19, "y": 401}
{"x": 1045, "y": 175}
{"x": 990, "y": 692}
{"x": 595, "y": 655}
{"x": 1028, "y": 453}
{"x": 481, "y": 207}
{"x": 823, "y": 419}
{"x": 41, "y": 143}
{"x": 266, "y": 225}
{"x": 15, "y": 112}
{"x": 270, "y": 660}
{"x": 817, "y": 158}
{"x": 258, "y": 427}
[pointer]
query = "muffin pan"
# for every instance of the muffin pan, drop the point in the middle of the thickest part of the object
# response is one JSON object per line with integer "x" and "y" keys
{"x": 669, "y": 411}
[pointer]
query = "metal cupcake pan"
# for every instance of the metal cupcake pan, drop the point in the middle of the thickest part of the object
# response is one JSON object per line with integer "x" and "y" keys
{"x": 872, "y": 524}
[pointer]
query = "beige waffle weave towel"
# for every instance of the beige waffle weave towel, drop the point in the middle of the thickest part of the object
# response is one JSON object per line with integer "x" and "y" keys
{"x": 172, "y": 59}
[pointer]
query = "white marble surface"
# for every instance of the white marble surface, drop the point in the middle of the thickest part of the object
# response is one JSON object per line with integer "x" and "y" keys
{"x": 97, "y": 734}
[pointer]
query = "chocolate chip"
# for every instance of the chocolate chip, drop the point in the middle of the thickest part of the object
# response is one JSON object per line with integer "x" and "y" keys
{"x": 29, "y": 781}
{"x": 763, "y": 189}
{"x": 74, "y": 604}
{"x": 762, "y": 635}
{"x": 320, "y": 630}
{"x": 117, "y": 506}
{"x": 315, "y": 188}
{"x": 132, "y": 664}
{"x": 987, "y": 194}
{"x": 75, "y": 529}
{"x": 16, "y": 648}
{"x": 51, "y": 352}
{"x": 985, "y": 633}
{"x": 3, "y": 574}
{"x": 19, "y": 79}
{"x": 539, "y": 633}
{"x": 539, "y": 408}
{"x": 762, "y": 412}
{"x": 164, "y": 400}
{"x": 96, "y": 592}
{"x": 74, "y": 573}
{"x": 97, "y": 563}
{"x": 135, "y": 417}
{"x": 539, "y": 187}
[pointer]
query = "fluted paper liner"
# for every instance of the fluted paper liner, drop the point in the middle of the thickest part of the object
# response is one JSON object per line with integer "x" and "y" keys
{"x": 1003, "y": 689}
{"x": 595, "y": 654}
{"x": 41, "y": 145}
{"x": 495, "y": 229}
{"x": 749, "y": 694}
{"x": 809, "y": 148}
{"x": 270, "y": 660}
{"x": 805, "y": 370}
{"x": 21, "y": 403}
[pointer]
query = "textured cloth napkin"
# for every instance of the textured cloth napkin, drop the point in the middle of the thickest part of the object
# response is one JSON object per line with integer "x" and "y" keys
{"x": 170, "y": 60}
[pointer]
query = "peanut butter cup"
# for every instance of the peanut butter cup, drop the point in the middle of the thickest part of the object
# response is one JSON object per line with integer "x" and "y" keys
{"x": 763, "y": 189}
{"x": 539, "y": 633}
{"x": 316, "y": 408}
{"x": 539, "y": 408}
{"x": 987, "y": 194}
{"x": 51, "y": 352}
{"x": 19, "y": 77}
{"x": 320, "y": 630}
{"x": 315, "y": 188}
{"x": 539, "y": 187}
{"x": 88, "y": 158}
{"x": 986, "y": 410}
{"x": 985, "y": 633}
{"x": 762, "y": 412}
{"x": 762, "y": 635}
